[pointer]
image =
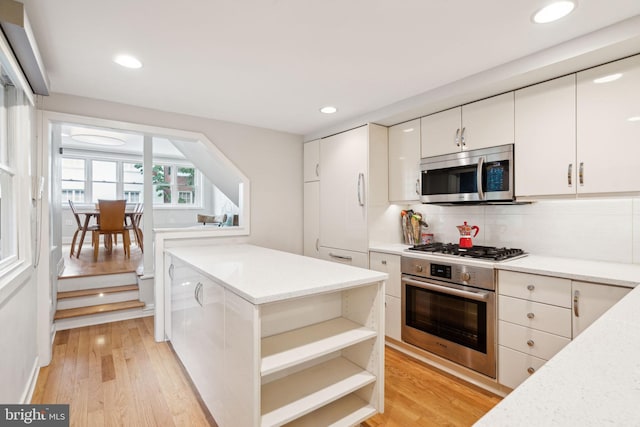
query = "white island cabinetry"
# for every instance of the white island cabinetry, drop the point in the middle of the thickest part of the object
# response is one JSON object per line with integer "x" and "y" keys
{"x": 298, "y": 343}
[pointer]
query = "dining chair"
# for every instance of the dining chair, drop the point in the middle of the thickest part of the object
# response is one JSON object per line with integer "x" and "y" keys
{"x": 111, "y": 224}
{"x": 134, "y": 225}
{"x": 79, "y": 229}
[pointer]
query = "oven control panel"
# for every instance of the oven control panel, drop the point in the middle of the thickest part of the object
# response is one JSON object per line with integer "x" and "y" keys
{"x": 441, "y": 270}
{"x": 469, "y": 275}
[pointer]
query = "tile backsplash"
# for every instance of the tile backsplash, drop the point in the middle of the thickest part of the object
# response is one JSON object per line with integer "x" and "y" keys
{"x": 596, "y": 229}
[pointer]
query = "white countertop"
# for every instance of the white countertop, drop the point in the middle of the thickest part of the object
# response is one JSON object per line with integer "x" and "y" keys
{"x": 593, "y": 381}
{"x": 609, "y": 273}
{"x": 262, "y": 275}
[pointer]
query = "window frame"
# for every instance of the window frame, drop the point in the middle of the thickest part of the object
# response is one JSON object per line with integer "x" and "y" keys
{"x": 90, "y": 156}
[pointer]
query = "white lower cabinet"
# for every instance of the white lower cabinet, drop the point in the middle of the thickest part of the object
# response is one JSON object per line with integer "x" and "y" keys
{"x": 353, "y": 258}
{"x": 539, "y": 315}
{"x": 390, "y": 264}
{"x": 534, "y": 323}
{"x": 311, "y": 361}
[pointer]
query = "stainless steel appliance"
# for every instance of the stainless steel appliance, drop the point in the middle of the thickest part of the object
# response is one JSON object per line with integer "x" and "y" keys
{"x": 449, "y": 302}
{"x": 484, "y": 175}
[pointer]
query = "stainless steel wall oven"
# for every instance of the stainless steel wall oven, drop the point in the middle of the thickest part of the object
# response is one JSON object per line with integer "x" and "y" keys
{"x": 449, "y": 309}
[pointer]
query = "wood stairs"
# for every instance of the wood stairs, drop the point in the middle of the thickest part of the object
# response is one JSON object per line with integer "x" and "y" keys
{"x": 95, "y": 309}
{"x": 97, "y": 299}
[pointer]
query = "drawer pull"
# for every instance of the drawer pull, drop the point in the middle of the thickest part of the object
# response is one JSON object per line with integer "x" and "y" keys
{"x": 383, "y": 262}
{"x": 531, "y": 287}
{"x": 530, "y": 315}
{"x": 530, "y": 370}
{"x": 530, "y": 343}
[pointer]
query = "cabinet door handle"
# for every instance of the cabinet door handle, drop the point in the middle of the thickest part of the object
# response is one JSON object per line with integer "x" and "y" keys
{"x": 317, "y": 169}
{"x": 530, "y": 370}
{"x": 361, "y": 189}
{"x": 197, "y": 293}
{"x": 576, "y": 300}
{"x": 581, "y": 174}
{"x": 530, "y": 315}
{"x": 171, "y": 268}
{"x": 464, "y": 144}
{"x": 317, "y": 245}
{"x": 457, "y": 139}
{"x": 418, "y": 186}
{"x": 383, "y": 262}
{"x": 530, "y": 287}
{"x": 569, "y": 173}
{"x": 530, "y": 343}
{"x": 342, "y": 257}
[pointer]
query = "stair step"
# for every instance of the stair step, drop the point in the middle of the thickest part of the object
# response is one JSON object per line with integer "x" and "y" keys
{"x": 95, "y": 309}
{"x": 68, "y": 284}
{"x": 97, "y": 291}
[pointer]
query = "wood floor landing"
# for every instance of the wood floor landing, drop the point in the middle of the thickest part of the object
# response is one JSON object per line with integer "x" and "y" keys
{"x": 115, "y": 374}
{"x": 108, "y": 263}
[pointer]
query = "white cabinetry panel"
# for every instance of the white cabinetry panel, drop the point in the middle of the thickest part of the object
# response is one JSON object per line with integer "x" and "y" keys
{"x": 544, "y": 317}
{"x": 312, "y": 161}
{"x": 608, "y": 136}
{"x": 592, "y": 300}
{"x": 515, "y": 367}
{"x": 545, "y": 289}
{"x": 393, "y": 319}
{"x": 404, "y": 161}
{"x": 389, "y": 264}
{"x": 343, "y": 193}
{"x": 531, "y": 341}
{"x": 311, "y": 219}
{"x": 441, "y": 133}
{"x": 545, "y": 138}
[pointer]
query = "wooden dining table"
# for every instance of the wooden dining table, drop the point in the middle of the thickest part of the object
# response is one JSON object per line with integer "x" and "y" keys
{"x": 94, "y": 212}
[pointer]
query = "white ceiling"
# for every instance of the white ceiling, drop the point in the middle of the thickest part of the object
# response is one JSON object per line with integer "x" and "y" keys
{"x": 274, "y": 63}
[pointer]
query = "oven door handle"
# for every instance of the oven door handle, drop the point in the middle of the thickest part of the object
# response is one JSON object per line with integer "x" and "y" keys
{"x": 476, "y": 296}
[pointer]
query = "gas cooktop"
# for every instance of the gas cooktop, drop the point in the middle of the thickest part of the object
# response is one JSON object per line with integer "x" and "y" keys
{"x": 478, "y": 252}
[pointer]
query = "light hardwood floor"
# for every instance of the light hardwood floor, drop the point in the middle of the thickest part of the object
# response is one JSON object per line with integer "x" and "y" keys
{"x": 107, "y": 263}
{"x": 117, "y": 375}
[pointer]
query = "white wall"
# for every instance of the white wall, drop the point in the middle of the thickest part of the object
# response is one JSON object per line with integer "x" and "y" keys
{"x": 593, "y": 229}
{"x": 271, "y": 160}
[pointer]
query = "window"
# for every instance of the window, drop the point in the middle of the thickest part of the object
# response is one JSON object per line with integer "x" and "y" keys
{"x": 11, "y": 100}
{"x": 104, "y": 180}
{"x": 174, "y": 184}
{"x": 87, "y": 178}
{"x": 73, "y": 180}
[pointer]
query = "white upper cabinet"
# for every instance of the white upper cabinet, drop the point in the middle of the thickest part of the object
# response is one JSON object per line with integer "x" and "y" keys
{"x": 481, "y": 124}
{"x": 311, "y": 237}
{"x": 545, "y": 138}
{"x": 312, "y": 161}
{"x": 404, "y": 162}
{"x": 608, "y": 127}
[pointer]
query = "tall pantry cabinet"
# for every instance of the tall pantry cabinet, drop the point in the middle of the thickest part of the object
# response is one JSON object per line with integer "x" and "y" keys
{"x": 311, "y": 239}
{"x": 352, "y": 192}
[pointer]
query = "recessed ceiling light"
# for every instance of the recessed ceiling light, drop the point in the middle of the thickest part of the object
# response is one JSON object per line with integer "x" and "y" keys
{"x": 553, "y": 12}
{"x": 127, "y": 61}
{"x": 634, "y": 119}
{"x": 407, "y": 130}
{"x": 328, "y": 109}
{"x": 609, "y": 78}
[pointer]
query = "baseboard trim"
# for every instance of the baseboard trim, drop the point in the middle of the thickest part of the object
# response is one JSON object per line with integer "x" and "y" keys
{"x": 33, "y": 380}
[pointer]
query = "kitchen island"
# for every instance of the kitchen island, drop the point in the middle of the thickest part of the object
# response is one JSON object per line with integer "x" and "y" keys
{"x": 270, "y": 337}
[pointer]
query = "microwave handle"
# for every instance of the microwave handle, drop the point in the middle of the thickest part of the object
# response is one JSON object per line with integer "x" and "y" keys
{"x": 479, "y": 178}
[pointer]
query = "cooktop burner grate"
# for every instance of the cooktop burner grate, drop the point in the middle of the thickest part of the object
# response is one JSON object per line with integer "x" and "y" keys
{"x": 480, "y": 252}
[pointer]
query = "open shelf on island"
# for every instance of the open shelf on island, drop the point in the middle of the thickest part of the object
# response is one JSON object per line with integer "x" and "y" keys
{"x": 284, "y": 350}
{"x": 298, "y": 394}
{"x": 349, "y": 410}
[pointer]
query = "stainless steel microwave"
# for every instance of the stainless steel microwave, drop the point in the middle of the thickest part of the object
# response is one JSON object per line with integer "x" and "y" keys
{"x": 483, "y": 175}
